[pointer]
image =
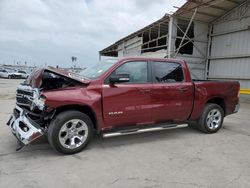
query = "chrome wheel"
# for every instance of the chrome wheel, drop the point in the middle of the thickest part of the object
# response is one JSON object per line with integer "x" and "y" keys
{"x": 73, "y": 134}
{"x": 214, "y": 118}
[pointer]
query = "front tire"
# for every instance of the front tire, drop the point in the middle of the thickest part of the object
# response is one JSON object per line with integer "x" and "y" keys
{"x": 70, "y": 132}
{"x": 211, "y": 119}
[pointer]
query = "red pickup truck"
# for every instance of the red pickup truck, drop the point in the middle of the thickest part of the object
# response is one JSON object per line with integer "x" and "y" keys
{"x": 117, "y": 97}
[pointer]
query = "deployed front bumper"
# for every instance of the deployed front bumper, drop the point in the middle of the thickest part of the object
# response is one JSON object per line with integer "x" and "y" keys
{"x": 24, "y": 128}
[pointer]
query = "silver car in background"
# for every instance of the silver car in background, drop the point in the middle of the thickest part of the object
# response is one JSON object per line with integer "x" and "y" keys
{"x": 22, "y": 74}
{"x": 4, "y": 73}
{"x": 13, "y": 74}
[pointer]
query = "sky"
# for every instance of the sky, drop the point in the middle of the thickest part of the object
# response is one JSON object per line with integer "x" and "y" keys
{"x": 50, "y": 32}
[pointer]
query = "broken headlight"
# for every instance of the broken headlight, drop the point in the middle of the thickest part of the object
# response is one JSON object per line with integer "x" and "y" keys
{"x": 38, "y": 101}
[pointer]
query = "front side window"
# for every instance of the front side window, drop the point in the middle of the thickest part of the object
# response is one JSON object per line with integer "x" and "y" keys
{"x": 137, "y": 71}
{"x": 167, "y": 72}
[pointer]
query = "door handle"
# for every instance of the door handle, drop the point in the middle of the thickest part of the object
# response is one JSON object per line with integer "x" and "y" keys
{"x": 183, "y": 89}
{"x": 144, "y": 91}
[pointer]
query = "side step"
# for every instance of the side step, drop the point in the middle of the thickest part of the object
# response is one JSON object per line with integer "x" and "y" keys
{"x": 138, "y": 130}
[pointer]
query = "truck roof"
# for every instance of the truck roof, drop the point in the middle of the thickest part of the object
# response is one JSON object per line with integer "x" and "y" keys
{"x": 148, "y": 58}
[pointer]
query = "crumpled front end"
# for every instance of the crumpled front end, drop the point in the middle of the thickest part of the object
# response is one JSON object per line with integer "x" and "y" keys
{"x": 32, "y": 115}
{"x": 24, "y": 128}
{"x": 28, "y": 111}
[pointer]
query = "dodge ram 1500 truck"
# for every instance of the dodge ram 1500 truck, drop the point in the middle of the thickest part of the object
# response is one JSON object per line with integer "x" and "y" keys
{"x": 117, "y": 97}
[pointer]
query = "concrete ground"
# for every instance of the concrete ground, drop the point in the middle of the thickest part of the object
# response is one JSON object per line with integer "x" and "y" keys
{"x": 179, "y": 157}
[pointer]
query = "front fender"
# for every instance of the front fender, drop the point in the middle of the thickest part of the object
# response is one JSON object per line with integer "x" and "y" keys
{"x": 76, "y": 96}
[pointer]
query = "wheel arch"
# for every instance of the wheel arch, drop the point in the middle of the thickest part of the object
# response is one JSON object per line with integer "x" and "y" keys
{"x": 81, "y": 108}
{"x": 219, "y": 101}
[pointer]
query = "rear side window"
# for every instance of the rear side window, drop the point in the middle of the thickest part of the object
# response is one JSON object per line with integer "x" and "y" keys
{"x": 167, "y": 72}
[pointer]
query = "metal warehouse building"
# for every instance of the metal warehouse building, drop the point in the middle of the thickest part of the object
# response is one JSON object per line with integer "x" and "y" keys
{"x": 213, "y": 36}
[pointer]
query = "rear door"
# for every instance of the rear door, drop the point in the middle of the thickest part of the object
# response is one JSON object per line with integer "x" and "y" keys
{"x": 126, "y": 104}
{"x": 172, "y": 96}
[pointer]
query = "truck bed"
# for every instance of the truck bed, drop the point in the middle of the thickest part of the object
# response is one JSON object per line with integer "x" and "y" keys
{"x": 225, "y": 92}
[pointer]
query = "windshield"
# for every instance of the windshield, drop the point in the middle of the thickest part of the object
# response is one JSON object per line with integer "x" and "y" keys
{"x": 97, "y": 70}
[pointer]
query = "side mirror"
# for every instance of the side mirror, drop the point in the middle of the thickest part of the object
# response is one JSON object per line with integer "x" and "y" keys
{"x": 119, "y": 78}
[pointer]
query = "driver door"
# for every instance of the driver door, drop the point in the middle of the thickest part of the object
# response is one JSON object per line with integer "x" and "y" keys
{"x": 128, "y": 103}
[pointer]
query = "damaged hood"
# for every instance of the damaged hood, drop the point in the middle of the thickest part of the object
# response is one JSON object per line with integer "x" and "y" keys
{"x": 35, "y": 78}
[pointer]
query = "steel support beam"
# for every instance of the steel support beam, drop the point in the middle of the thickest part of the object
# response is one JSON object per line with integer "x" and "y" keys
{"x": 170, "y": 30}
{"x": 189, "y": 40}
{"x": 185, "y": 34}
{"x": 230, "y": 57}
{"x": 228, "y": 78}
{"x": 208, "y": 51}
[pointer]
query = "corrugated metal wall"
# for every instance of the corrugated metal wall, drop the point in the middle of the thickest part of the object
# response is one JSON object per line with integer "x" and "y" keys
{"x": 130, "y": 47}
{"x": 230, "y": 48}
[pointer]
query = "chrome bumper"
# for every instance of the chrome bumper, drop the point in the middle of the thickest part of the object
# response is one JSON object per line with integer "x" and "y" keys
{"x": 24, "y": 128}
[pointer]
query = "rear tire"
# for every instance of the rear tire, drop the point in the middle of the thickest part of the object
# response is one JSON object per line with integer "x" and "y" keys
{"x": 211, "y": 119}
{"x": 70, "y": 132}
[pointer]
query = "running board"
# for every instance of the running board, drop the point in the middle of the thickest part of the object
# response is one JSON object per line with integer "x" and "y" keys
{"x": 140, "y": 130}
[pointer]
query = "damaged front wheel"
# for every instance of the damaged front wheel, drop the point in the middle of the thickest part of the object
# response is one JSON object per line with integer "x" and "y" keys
{"x": 70, "y": 132}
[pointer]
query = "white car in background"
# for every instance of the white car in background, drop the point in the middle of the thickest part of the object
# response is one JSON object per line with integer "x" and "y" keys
{"x": 22, "y": 74}
{"x": 4, "y": 73}
{"x": 13, "y": 74}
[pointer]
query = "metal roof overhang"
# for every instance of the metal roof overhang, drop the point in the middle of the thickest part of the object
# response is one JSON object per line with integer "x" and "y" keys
{"x": 112, "y": 49}
{"x": 207, "y": 11}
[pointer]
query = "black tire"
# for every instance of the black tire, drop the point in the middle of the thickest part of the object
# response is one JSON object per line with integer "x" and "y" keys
{"x": 59, "y": 121}
{"x": 203, "y": 122}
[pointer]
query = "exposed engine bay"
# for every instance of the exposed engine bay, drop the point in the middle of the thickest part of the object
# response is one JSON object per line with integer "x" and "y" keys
{"x": 52, "y": 80}
{"x": 31, "y": 98}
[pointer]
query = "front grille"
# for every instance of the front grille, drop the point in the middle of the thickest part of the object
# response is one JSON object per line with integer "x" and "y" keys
{"x": 24, "y": 96}
{"x": 22, "y": 92}
{"x": 22, "y": 100}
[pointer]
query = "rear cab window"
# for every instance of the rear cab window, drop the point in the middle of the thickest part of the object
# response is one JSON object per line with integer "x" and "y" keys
{"x": 167, "y": 72}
